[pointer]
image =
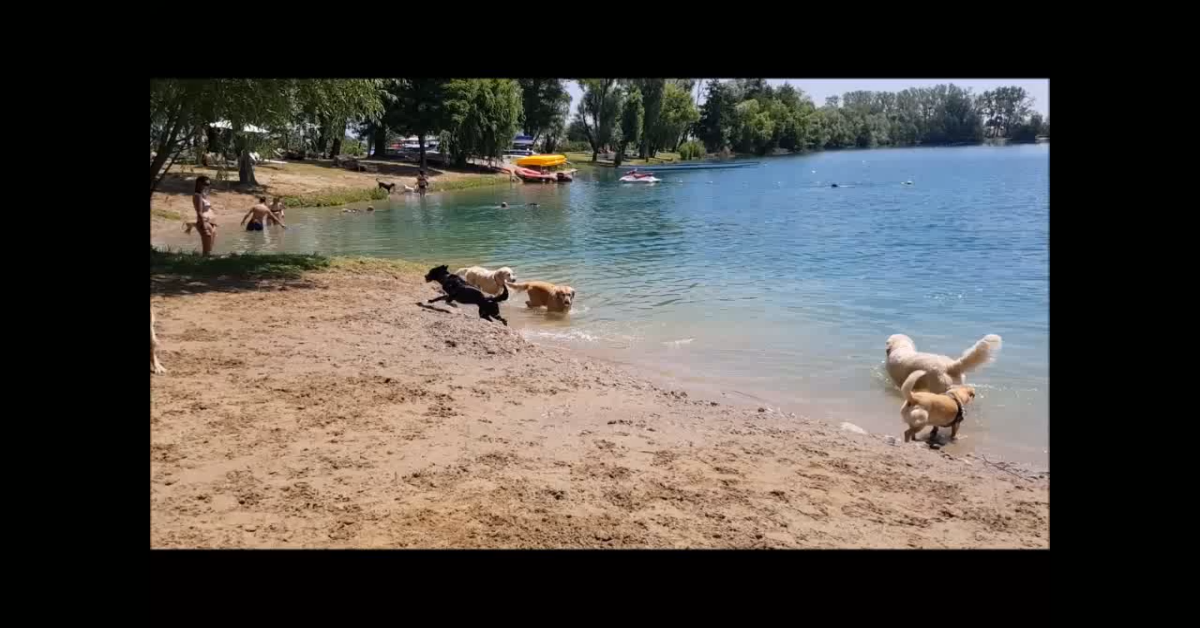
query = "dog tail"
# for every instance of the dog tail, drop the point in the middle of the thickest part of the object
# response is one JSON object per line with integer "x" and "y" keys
{"x": 907, "y": 387}
{"x": 503, "y": 296}
{"x": 981, "y": 353}
{"x": 519, "y": 287}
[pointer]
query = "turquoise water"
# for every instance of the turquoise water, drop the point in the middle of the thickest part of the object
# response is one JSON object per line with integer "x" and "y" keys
{"x": 764, "y": 283}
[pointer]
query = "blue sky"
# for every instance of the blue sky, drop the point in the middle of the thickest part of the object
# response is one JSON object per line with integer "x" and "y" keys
{"x": 818, "y": 89}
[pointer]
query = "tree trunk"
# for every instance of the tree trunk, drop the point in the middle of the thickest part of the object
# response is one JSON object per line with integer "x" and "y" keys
{"x": 421, "y": 146}
{"x": 336, "y": 149}
{"x": 166, "y": 145}
{"x": 380, "y": 142}
{"x": 620, "y": 155}
{"x": 595, "y": 154}
{"x": 246, "y": 169}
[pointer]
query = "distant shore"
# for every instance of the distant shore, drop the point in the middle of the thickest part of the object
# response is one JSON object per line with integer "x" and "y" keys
{"x": 350, "y": 416}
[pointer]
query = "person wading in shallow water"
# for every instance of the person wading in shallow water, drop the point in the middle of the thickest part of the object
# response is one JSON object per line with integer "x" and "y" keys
{"x": 259, "y": 215}
{"x": 204, "y": 215}
{"x": 422, "y": 182}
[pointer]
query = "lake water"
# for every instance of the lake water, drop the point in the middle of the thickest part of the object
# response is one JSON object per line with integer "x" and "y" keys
{"x": 764, "y": 284}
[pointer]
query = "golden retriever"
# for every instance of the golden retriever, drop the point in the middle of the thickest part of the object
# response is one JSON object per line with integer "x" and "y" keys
{"x": 939, "y": 410}
{"x": 941, "y": 371}
{"x": 555, "y": 298}
{"x": 489, "y": 281}
{"x": 156, "y": 367}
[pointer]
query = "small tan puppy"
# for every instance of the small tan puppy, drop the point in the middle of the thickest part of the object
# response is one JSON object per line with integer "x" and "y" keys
{"x": 939, "y": 410}
{"x": 489, "y": 281}
{"x": 942, "y": 371}
{"x": 555, "y": 298}
{"x": 155, "y": 366}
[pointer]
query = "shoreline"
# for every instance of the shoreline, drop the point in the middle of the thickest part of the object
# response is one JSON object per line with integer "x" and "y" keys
{"x": 303, "y": 184}
{"x": 350, "y": 417}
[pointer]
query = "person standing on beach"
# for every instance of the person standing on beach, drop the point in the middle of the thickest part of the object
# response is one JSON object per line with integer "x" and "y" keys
{"x": 204, "y": 215}
{"x": 422, "y": 182}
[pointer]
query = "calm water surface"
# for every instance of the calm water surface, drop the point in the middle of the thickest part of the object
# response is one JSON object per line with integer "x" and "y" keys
{"x": 764, "y": 283}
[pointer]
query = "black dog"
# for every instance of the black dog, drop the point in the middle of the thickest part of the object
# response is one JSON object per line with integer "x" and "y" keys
{"x": 458, "y": 290}
{"x": 386, "y": 186}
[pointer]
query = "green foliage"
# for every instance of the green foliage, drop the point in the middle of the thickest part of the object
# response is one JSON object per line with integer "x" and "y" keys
{"x": 183, "y": 108}
{"x": 677, "y": 117}
{"x": 353, "y": 148}
{"x": 632, "y": 116}
{"x": 598, "y": 111}
{"x": 748, "y": 115}
{"x": 482, "y": 116}
{"x": 717, "y": 116}
{"x": 691, "y": 150}
{"x": 545, "y": 105}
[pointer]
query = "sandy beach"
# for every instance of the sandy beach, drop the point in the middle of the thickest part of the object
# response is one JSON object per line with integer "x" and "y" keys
{"x": 331, "y": 411}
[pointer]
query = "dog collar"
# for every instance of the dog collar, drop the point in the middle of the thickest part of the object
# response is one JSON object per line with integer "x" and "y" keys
{"x": 958, "y": 418}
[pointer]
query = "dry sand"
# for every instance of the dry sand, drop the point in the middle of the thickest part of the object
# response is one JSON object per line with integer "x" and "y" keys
{"x": 333, "y": 411}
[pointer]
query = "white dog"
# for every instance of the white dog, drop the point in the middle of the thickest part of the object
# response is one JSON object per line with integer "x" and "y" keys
{"x": 941, "y": 371}
{"x": 489, "y": 281}
{"x": 155, "y": 366}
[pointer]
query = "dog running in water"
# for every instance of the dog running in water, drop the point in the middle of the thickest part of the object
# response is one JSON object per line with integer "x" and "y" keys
{"x": 938, "y": 410}
{"x": 458, "y": 290}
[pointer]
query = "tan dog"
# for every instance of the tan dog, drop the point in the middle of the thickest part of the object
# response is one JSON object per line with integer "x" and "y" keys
{"x": 489, "y": 281}
{"x": 555, "y": 298}
{"x": 942, "y": 371}
{"x": 155, "y": 366}
{"x": 939, "y": 410}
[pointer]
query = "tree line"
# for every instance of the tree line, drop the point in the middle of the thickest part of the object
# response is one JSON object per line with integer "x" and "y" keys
{"x": 477, "y": 118}
{"x": 752, "y": 116}
{"x": 471, "y": 117}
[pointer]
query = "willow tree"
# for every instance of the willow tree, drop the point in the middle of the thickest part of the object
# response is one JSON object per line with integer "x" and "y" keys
{"x": 180, "y": 106}
{"x": 601, "y": 102}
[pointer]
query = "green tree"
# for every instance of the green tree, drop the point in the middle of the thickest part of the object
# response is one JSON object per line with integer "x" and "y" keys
{"x": 632, "y": 115}
{"x": 481, "y": 116}
{"x": 677, "y": 117}
{"x": 418, "y": 107}
{"x": 601, "y": 102}
{"x": 182, "y": 108}
{"x": 543, "y": 101}
{"x": 717, "y": 116}
{"x": 653, "y": 130}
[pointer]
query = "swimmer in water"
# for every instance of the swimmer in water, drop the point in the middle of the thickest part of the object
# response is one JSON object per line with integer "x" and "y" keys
{"x": 370, "y": 208}
{"x": 834, "y": 185}
{"x": 503, "y": 205}
{"x": 259, "y": 216}
{"x": 531, "y": 204}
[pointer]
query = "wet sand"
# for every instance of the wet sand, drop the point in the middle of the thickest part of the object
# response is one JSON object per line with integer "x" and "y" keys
{"x": 332, "y": 411}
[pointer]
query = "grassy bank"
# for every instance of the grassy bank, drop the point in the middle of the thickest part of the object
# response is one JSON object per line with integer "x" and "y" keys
{"x": 467, "y": 183}
{"x": 269, "y": 265}
{"x": 336, "y": 197}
